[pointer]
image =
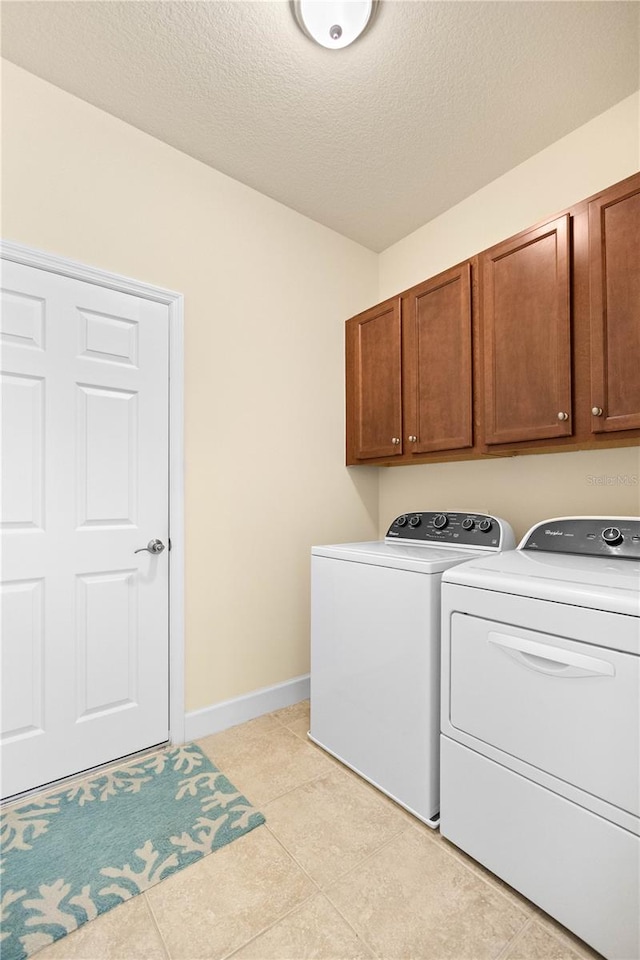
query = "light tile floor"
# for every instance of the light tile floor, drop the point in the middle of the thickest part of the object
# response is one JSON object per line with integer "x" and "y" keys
{"x": 338, "y": 872}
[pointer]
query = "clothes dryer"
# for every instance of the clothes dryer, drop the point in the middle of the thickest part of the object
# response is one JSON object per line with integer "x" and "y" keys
{"x": 540, "y": 747}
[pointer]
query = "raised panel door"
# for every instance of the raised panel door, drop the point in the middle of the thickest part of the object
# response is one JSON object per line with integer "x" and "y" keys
{"x": 527, "y": 336}
{"x": 85, "y": 477}
{"x": 374, "y": 384}
{"x": 437, "y": 363}
{"x": 614, "y": 265}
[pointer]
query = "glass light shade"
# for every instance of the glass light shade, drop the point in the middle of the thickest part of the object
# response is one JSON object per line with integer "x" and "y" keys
{"x": 334, "y": 23}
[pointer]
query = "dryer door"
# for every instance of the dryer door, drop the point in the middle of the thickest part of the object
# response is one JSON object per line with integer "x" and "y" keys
{"x": 568, "y": 708}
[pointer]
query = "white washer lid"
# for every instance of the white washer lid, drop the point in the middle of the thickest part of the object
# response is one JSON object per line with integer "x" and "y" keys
{"x": 601, "y": 583}
{"x": 421, "y": 558}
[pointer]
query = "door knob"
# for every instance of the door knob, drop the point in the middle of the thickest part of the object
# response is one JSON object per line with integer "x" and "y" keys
{"x": 596, "y": 411}
{"x": 154, "y": 546}
{"x": 413, "y": 439}
{"x": 395, "y": 440}
{"x": 563, "y": 416}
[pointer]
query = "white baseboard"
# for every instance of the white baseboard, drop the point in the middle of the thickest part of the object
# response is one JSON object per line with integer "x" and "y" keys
{"x": 221, "y": 716}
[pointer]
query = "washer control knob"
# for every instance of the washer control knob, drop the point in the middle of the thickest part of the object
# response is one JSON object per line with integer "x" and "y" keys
{"x": 468, "y": 523}
{"x": 415, "y": 520}
{"x": 485, "y": 526}
{"x": 440, "y": 521}
{"x": 612, "y": 536}
{"x": 401, "y": 521}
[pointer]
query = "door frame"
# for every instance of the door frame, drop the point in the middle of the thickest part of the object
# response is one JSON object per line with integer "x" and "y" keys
{"x": 41, "y": 260}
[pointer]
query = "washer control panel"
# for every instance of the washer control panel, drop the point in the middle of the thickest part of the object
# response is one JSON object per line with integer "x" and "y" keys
{"x": 587, "y": 536}
{"x": 451, "y": 529}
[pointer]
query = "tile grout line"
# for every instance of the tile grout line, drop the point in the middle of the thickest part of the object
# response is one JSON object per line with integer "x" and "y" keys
{"x": 373, "y": 853}
{"x": 273, "y": 714}
{"x": 304, "y": 739}
{"x": 374, "y": 953}
{"x": 537, "y": 913}
{"x": 528, "y": 917}
{"x": 506, "y": 950}
{"x": 501, "y": 956}
{"x": 303, "y": 783}
{"x": 156, "y": 925}
{"x": 567, "y": 938}
{"x": 318, "y": 892}
{"x": 580, "y": 951}
{"x": 340, "y": 876}
{"x": 364, "y": 860}
{"x": 403, "y": 827}
{"x": 288, "y": 913}
{"x": 337, "y": 768}
{"x": 292, "y": 857}
{"x": 263, "y": 803}
{"x": 269, "y": 926}
{"x": 478, "y": 873}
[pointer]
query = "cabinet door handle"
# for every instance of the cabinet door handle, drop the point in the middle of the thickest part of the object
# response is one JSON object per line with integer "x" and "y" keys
{"x": 596, "y": 411}
{"x": 563, "y": 416}
{"x": 412, "y": 439}
{"x": 395, "y": 439}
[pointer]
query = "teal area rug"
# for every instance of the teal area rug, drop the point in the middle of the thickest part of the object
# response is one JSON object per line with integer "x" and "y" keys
{"x": 71, "y": 855}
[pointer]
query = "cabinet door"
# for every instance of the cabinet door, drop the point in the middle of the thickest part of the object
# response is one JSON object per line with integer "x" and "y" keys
{"x": 374, "y": 387}
{"x": 527, "y": 348}
{"x": 614, "y": 264}
{"x": 436, "y": 348}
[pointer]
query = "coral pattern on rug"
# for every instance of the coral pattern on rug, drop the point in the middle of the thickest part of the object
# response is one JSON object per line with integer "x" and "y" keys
{"x": 74, "y": 854}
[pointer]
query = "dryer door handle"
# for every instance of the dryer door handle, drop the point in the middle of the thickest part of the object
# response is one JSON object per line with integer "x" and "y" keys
{"x": 552, "y": 661}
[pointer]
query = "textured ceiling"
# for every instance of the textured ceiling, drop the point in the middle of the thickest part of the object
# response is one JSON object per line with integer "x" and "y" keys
{"x": 435, "y": 101}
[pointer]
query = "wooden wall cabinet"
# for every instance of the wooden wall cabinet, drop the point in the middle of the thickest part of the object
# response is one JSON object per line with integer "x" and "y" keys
{"x": 614, "y": 265}
{"x": 531, "y": 347}
{"x": 526, "y": 324}
{"x": 437, "y": 368}
{"x": 409, "y": 373}
{"x": 374, "y": 383}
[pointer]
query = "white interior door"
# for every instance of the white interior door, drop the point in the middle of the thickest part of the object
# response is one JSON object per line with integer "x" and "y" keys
{"x": 85, "y": 474}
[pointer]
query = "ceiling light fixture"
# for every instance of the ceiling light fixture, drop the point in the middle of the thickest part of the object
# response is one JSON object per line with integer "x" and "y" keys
{"x": 334, "y": 23}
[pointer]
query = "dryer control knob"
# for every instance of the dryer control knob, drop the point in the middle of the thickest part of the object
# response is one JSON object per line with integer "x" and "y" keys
{"x": 612, "y": 536}
{"x": 415, "y": 520}
{"x": 467, "y": 524}
{"x": 484, "y": 525}
{"x": 440, "y": 521}
{"x": 401, "y": 521}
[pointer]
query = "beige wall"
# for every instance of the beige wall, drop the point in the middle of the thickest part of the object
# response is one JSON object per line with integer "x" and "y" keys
{"x": 523, "y": 489}
{"x": 266, "y": 294}
{"x": 603, "y": 151}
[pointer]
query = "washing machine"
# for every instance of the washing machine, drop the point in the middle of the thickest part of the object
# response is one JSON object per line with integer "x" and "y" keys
{"x": 540, "y": 746}
{"x": 375, "y": 648}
